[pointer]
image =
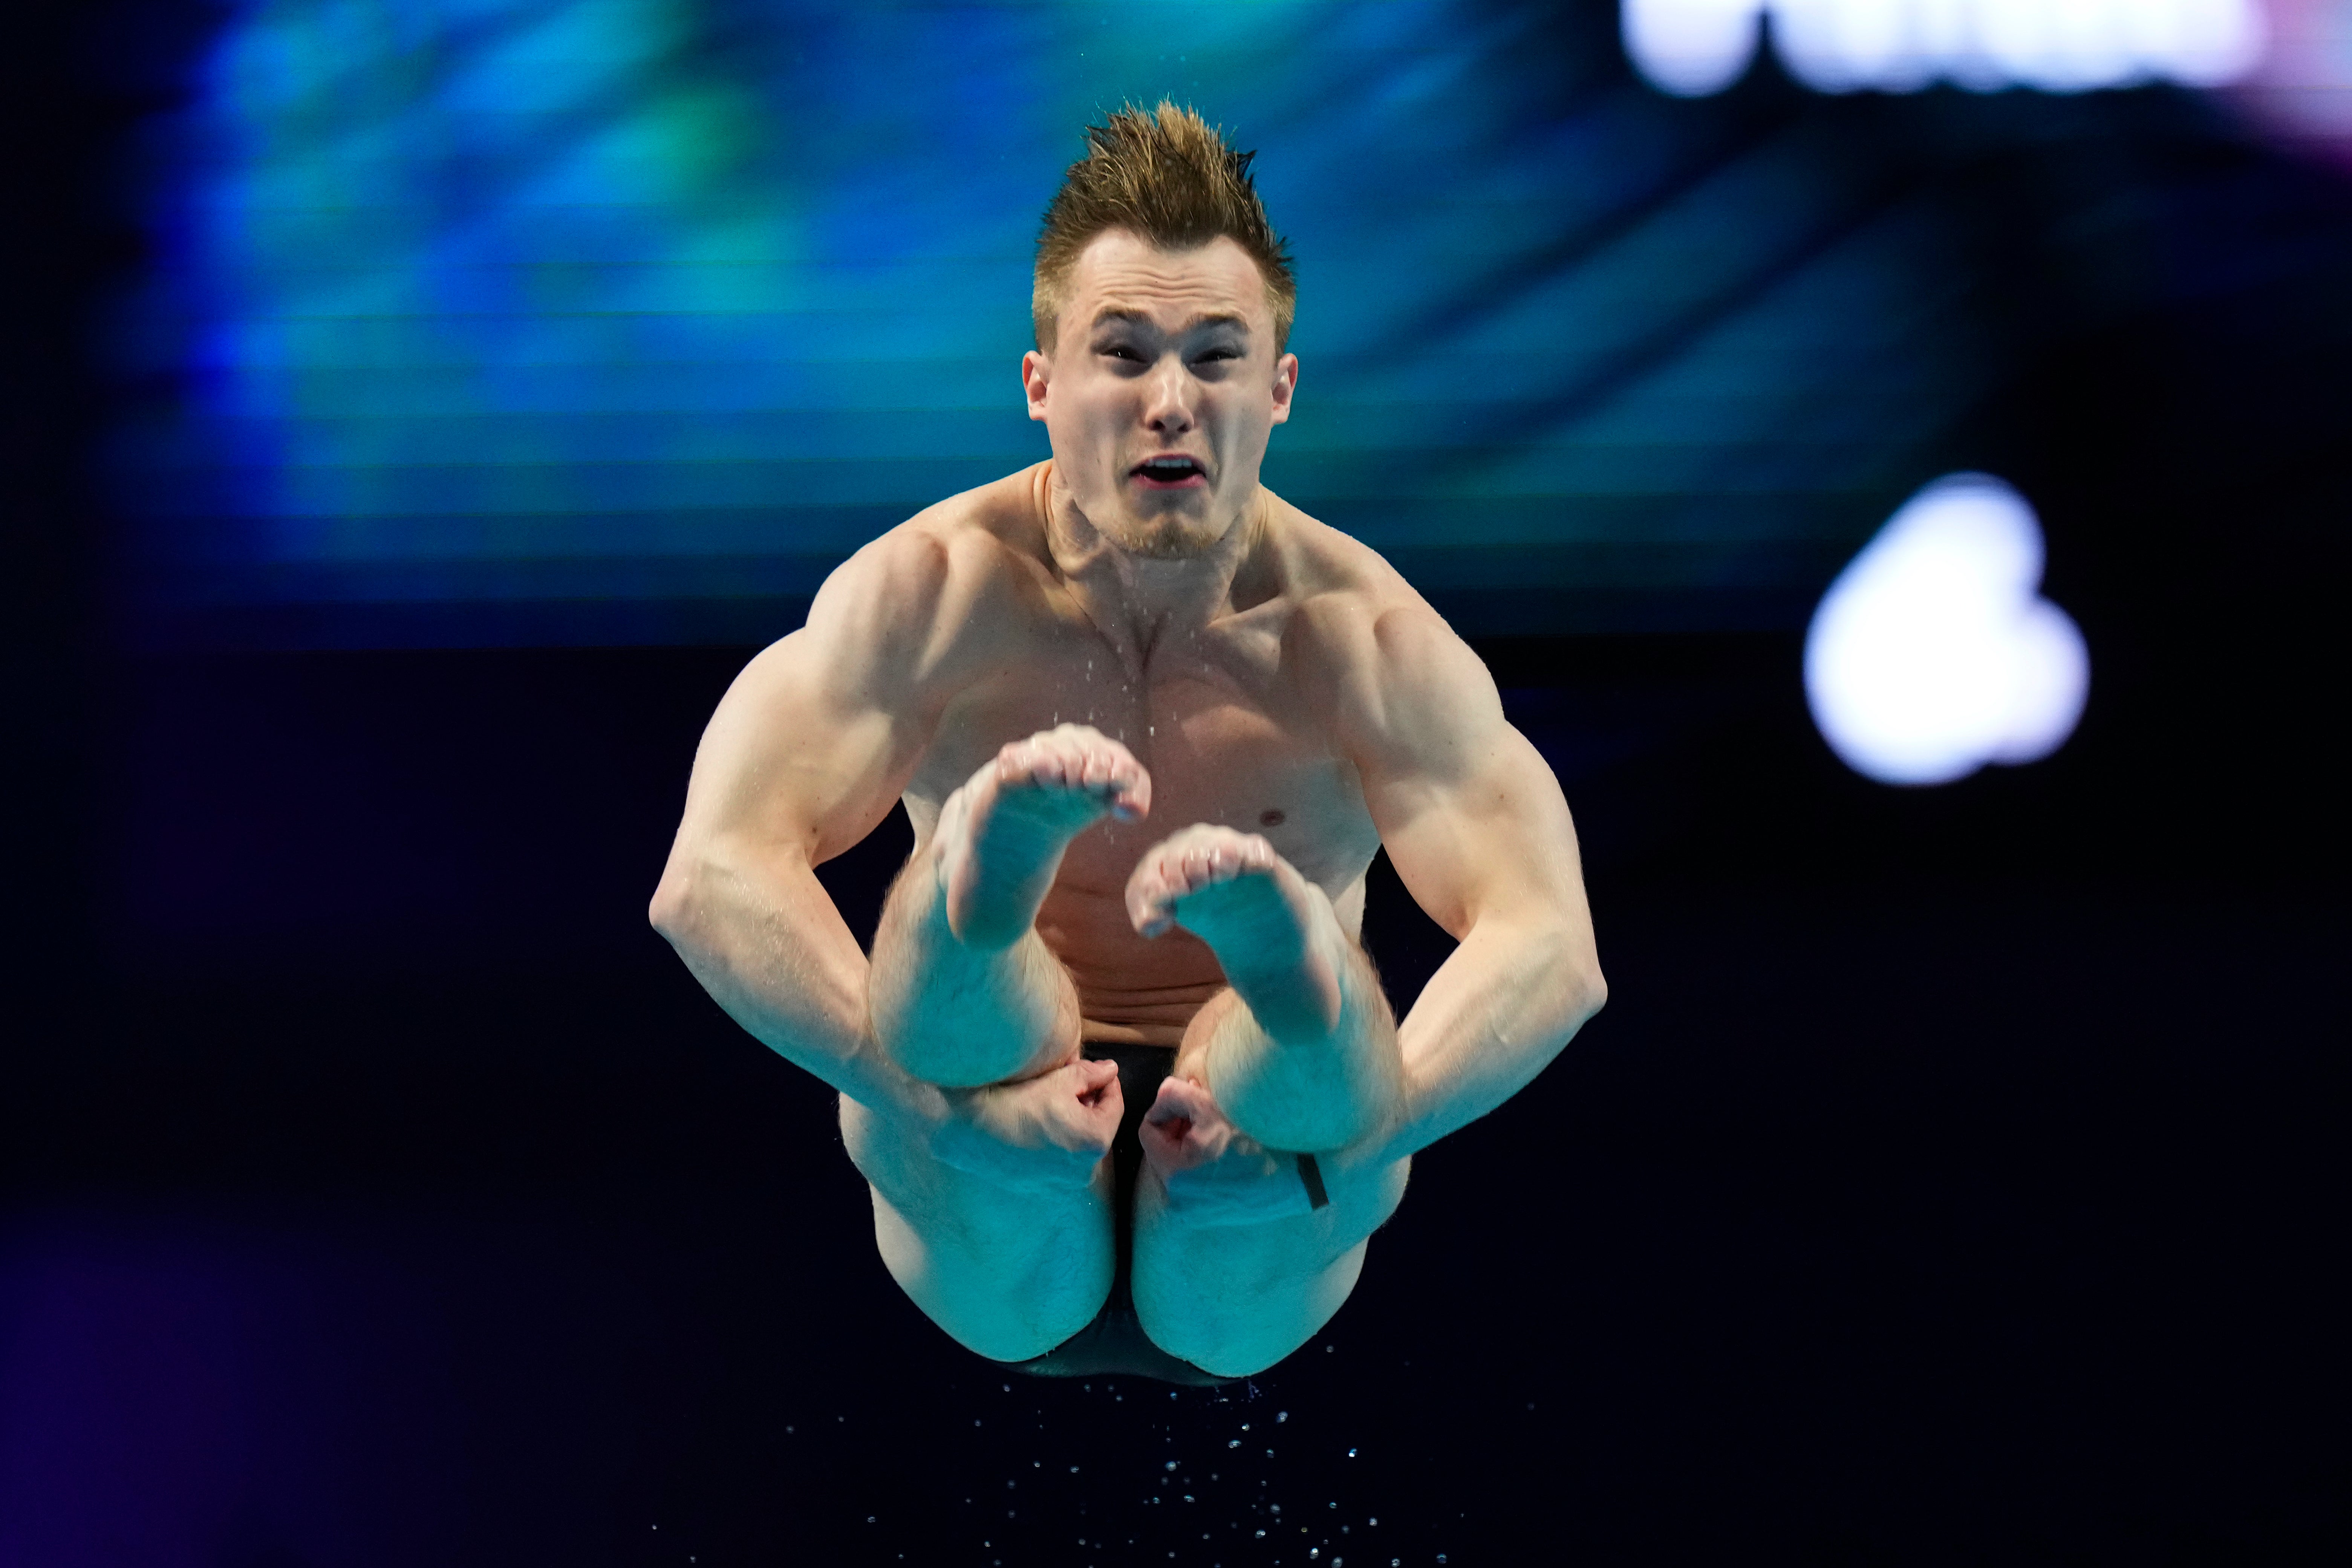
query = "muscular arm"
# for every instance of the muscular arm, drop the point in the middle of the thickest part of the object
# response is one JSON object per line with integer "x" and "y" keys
{"x": 1480, "y": 835}
{"x": 804, "y": 756}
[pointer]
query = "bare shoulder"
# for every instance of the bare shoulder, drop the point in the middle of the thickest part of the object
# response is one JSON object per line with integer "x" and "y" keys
{"x": 819, "y": 733}
{"x": 910, "y": 604}
{"x": 1397, "y": 677}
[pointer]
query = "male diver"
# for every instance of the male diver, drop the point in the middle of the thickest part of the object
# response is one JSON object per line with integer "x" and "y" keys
{"x": 1122, "y": 1080}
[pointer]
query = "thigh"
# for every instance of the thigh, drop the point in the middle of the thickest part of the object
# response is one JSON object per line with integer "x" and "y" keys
{"x": 1008, "y": 1274}
{"x": 1235, "y": 1299}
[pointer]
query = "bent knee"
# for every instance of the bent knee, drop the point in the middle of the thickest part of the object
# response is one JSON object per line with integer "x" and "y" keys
{"x": 995, "y": 1304}
{"x": 1237, "y": 1325}
{"x": 999, "y": 1339}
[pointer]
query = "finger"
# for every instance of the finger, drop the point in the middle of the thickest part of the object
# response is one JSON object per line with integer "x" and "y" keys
{"x": 1165, "y": 1137}
{"x": 1092, "y": 1129}
{"x": 1097, "y": 1086}
{"x": 1177, "y": 1097}
{"x": 1169, "y": 1148}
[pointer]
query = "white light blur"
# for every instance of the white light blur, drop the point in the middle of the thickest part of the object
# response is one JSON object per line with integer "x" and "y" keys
{"x": 1932, "y": 654}
{"x": 2304, "y": 89}
{"x": 1693, "y": 47}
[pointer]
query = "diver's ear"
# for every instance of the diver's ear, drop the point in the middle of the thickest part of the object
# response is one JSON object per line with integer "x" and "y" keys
{"x": 1037, "y": 370}
{"x": 1286, "y": 382}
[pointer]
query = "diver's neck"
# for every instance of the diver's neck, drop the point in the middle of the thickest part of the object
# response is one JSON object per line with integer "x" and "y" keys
{"x": 1140, "y": 602}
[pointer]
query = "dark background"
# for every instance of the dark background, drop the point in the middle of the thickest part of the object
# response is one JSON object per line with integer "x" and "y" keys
{"x": 1955, "y": 1176}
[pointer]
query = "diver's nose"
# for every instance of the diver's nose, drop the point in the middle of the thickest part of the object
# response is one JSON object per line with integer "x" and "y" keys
{"x": 1168, "y": 400}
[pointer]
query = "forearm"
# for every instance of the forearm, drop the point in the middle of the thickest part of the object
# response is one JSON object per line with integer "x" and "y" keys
{"x": 758, "y": 931}
{"x": 1492, "y": 1017}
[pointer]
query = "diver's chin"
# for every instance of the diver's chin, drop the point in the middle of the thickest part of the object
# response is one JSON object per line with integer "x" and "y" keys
{"x": 1164, "y": 533}
{"x": 1162, "y": 523}
{"x": 1169, "y": 539}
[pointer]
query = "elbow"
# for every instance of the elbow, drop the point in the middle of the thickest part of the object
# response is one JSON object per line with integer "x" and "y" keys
{"x": 1592, "y": 991}
{"x": 671, "y": 911}
{"x": 1583, "y": 990}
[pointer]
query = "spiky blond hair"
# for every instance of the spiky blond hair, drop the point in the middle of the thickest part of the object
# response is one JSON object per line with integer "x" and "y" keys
{"x": 1167, "y": 176}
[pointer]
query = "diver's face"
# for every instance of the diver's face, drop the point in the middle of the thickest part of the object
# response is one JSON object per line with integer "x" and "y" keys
{"x": 1160, "y": 391}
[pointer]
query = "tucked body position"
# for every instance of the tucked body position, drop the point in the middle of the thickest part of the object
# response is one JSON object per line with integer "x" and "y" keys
{"x": 1119, "y": 1072}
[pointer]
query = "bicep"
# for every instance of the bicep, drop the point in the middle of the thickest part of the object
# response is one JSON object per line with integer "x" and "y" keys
{"x": 1497, "y": 841}
{"x": 815, "y": 739}
{"x": 1469, "y": 811}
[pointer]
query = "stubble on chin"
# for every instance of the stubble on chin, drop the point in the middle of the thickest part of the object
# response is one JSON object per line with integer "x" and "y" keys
{"x": 1167, "y": 539}
{"x": 1158, "y": 535}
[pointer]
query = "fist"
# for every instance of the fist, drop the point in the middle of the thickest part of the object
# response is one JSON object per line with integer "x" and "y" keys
{"x": 1040, "y": 1134}
{"x": 1213, "y": 1173}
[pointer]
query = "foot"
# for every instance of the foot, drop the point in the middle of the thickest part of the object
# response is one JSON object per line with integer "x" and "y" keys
{"x": 1001, "y": 835}
{"x": 1270, "y": 928}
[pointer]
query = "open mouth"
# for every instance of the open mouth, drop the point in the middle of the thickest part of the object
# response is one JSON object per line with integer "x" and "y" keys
{"x": 1170, "y": 472}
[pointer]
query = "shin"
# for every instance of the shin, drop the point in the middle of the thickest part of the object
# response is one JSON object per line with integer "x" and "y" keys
{"x": 957, "y": 1014}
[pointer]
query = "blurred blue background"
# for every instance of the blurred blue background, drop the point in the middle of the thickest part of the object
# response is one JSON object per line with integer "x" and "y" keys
{"x": 495, "y": 321}
{"x": 416, "y": 415}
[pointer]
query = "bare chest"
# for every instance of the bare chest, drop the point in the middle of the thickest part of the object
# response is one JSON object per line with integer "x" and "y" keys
{"x": 1228, "y": 738}
{"x": 1227, "y": 735}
